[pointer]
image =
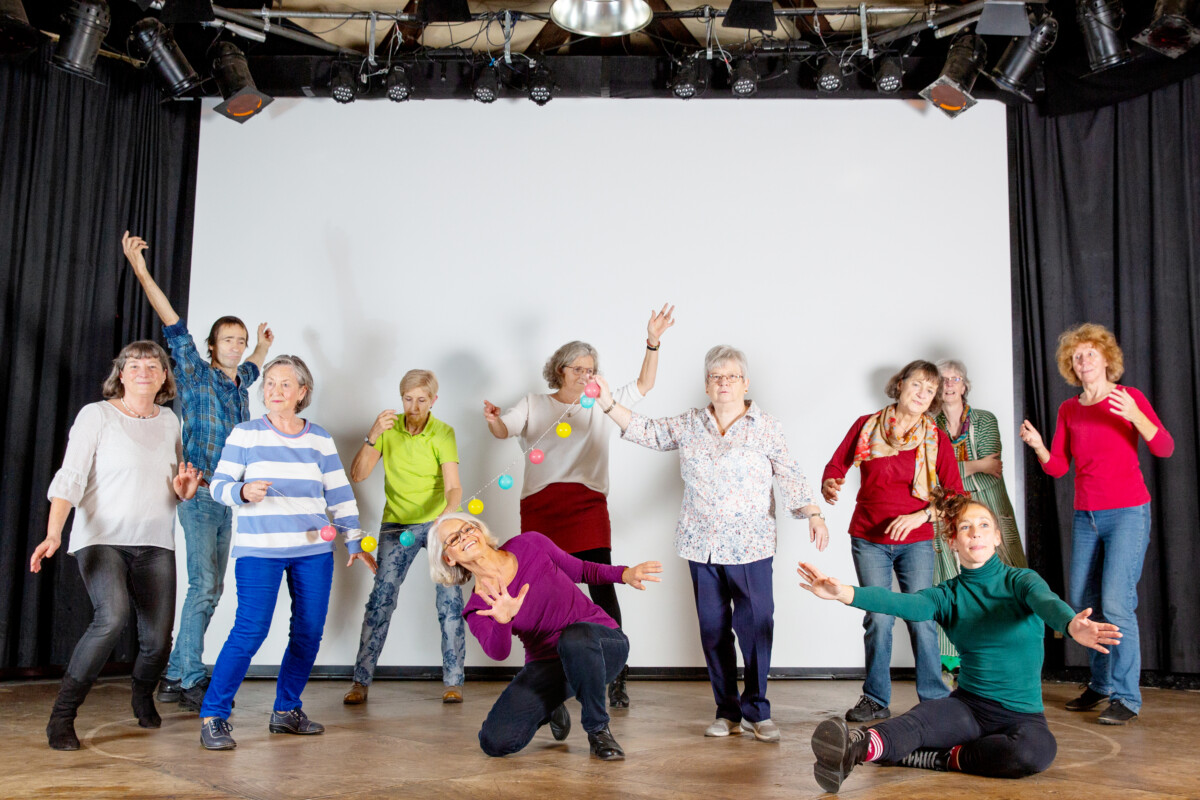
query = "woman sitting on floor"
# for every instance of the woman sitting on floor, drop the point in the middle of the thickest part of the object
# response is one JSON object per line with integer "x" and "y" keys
{"x": 993, "y": 723}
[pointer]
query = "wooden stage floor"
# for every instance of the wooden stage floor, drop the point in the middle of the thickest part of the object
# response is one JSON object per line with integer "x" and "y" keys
{"x": 406, "y": 744}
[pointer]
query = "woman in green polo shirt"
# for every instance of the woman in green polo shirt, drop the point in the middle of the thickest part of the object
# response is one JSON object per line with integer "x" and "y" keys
{"x": 420, "y": 481}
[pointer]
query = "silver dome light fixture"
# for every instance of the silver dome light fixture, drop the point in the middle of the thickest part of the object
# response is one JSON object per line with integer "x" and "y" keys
{"x": 601, "y": 17}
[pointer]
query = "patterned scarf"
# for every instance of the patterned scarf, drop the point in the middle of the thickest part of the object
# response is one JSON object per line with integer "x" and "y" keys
{"x": 878, "y": 439}
{"x": 960, "y": 442}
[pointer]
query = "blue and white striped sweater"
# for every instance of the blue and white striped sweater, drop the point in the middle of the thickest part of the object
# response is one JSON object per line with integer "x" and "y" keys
{"x": 308, "y": 484}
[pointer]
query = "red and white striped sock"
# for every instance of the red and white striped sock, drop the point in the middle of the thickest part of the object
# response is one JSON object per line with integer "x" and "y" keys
{"x": 875, "y": 748}
{"x": 952, "y": 764}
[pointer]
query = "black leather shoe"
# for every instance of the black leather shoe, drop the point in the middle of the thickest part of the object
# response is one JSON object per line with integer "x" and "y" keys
{"x": 604, "y": 746}
{"x": 866, "y": 710}
{"x": 560, "y": 723}
{"x": 838, "y": 750}
{"x": 1116, "y": 714}
{"x": 618, "y": 695}
{"x": 170, "y": 690}
{"x": 1087, "y": 701}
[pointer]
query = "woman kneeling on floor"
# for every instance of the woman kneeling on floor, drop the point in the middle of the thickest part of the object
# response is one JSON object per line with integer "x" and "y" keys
{"x": 572, "y": 648}
{"x": 993, "y": 723}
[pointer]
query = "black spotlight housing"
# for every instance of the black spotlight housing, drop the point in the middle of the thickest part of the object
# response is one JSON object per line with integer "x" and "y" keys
{"x": 17, "y": 37}
{"x": 541, "y": 85}
{"x": 951, "y": 92}
{"x": 1023, "y": 56}
{"x": 687, "y": 83}
{"x": 743, "y": 81}
{"x": 399, "y": 83}
{"x": 342, "y": 82}
{"x": 1171, "y": 32}
{"x": 241, "y": 98}
{"x": 487, "y": 85}
{"x": 87, "y": 24}
{"x": 751, "y": 15}
{"x": 1099, "y": 20}
{"x": 150, "y": 41}
{"x": 889, "y": 74}
{"x": 829, "y": 75}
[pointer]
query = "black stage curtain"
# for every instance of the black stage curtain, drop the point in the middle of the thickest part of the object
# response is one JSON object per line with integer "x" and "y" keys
{"x": 80, "y": 162}
{"x": 1106, "y": 228}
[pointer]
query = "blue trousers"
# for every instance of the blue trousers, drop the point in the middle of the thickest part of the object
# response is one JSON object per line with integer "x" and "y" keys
{"x": 589, "y": 657}
{"x": 736, "y": 598}
{"x": 913, "y": 567}
{"x": 207, "y": 527}
{"x": 309, "y": 579}
{"x": 1107, "y": 552}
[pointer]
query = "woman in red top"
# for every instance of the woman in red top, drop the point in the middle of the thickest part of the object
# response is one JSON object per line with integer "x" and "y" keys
{"x": 902, "y": 456}
{"x": 1100, "y": 429}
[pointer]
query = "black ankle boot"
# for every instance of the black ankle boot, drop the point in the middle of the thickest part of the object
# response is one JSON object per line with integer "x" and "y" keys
{"x": 142, "y": 701}
{"x": 60, "y": 732}
{"x": 927, "y": 758}
{"x": 618, "y": 697}
{"x": 604, "y": 746}
{"x": 839, "y": 750}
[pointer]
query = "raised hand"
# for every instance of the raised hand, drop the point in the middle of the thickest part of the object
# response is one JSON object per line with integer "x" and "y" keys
{"x": 264, "y": 335}
{"x": 491, "y": 412}
{"x": 255, "y": 491}
{"x": 187, "y": 481}
{"x": 1121, "y": 403}
{"x": 1093, "y": 634}
{"x": 830, "y": 489}
{"x": 646, "y": 571}
{"x": 822, "y": 586}
{"x": 658, "y": 324}
{"x": 502, "y": 606}
{"x": 1031, "y": 437}
{"x": 384, "y": 422}
{"x": 133, "y": 246}
{"x": 605, "y": 399}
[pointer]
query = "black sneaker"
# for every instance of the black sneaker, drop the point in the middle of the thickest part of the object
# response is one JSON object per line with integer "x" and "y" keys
{"x": 294, "y": 721}
{"x": 560, "y": 723}
{"x": 838, "y": 750}
{"x": 866, "y": 710}
{"x": 193, "y": 697}
{"x": 1117, "y": 713}
{"x": 170, "y": 690}
{"x": 604, "y": 746}
{"x": 214, "y": 734}
{"x": 1087, "y": 701}
{"x": 927, "y": 758}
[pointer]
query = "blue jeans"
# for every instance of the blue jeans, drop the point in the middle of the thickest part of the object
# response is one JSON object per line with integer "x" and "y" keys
{"x": 1107, "y": 551}
{"x": 913, "y": 566}
{"x": 207, "y": 535}
{"x": 394, "y": 561}
{"x": 309, "y": 579}
{"x": 590, "y": 656}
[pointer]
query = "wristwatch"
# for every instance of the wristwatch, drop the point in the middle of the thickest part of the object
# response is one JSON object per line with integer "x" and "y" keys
{"x": 367, "y": 439}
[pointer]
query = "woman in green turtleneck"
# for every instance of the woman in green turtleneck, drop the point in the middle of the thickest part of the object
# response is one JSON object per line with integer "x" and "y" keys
{"x": 993, "y": 723}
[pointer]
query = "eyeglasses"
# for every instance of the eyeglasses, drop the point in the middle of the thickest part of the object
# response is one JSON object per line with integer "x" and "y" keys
{"x": 953, "y": 380}
{"x": 580, "y": 371}
{"x": 723, "y": 379}
{"x": 453, "y": 539}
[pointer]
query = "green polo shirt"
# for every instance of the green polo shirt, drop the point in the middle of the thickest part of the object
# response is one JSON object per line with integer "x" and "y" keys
{"x": 412, "y": 470}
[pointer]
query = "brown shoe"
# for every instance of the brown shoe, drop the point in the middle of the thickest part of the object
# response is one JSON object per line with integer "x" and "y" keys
{"x": 356, "y": 696}
{"x": 453, "y": 694}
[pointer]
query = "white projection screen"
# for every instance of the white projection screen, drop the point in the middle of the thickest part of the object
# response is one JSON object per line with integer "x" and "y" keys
{"x": 832, "y": 241}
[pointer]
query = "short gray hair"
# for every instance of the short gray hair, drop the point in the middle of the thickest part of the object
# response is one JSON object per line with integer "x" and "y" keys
{"x": 722, "y": 353}
{"x": 439, "y": 570}
{"x": 144, "y": 348}
{"x": 563, "y": 356}
{"x": 303, "y": 377}
{"x": 959, "y": 367}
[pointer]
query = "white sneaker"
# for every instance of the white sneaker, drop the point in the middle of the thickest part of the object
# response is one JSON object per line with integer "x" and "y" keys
{"x": 764, "y": 730}
{"x": 723, "y": 727}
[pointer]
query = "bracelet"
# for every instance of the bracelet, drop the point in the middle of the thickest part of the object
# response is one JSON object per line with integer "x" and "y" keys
{"x": 928, "y": 514}
{"x": 815, "y": 515}
{"x": 367, "y": 439}
{"x": 610, "y": 408}
{"x": 653, "y": 347}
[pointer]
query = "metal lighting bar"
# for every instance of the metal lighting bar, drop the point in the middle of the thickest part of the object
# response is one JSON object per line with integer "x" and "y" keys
{"x": 295, "y": 36}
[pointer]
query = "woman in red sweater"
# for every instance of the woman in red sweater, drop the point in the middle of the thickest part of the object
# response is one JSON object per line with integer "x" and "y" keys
{"x": 902, "y": 456}
{"x": 1099, "y": 430}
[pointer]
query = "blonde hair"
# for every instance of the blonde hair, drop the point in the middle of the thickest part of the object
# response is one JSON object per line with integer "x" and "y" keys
{"x": 1099, "y": 337}
{"x": 419, "y": 379}
{"x": 143, "y": 348}
{"x": 439, "y": 570}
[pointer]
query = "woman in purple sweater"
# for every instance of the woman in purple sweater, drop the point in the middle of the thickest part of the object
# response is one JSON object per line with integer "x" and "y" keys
{"x": 572, "y": 648}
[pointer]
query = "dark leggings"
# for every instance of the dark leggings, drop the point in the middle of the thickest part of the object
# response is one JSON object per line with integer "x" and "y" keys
{"x": 113, "y": 576}
{"x": 603, "y": 594}
{"x": 996, "y": 742}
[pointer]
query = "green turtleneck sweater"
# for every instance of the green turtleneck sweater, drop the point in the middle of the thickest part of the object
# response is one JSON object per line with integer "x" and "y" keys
{"x": 994, "y": 616}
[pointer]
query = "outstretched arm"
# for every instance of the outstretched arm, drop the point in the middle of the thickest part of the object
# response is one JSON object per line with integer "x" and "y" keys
{"x": 265, "y": 339}
{"x": 823, "y": 586}
{"x": 1093, "y": 634}
{"x": 134, "y": 247}
{"x": 655, "y": 328}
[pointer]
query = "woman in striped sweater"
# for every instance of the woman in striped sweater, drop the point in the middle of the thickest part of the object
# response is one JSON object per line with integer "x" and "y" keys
{"x": 282, "y": 475}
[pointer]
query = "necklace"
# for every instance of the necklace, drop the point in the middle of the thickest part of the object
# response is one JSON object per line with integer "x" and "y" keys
{"x": 133, "y": 413}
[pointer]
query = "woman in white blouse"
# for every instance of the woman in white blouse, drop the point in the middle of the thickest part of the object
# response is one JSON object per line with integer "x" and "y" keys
{"x": 122, "y": 473}
{"x": 730, "y": 453}
{"x": 564, "y": 494}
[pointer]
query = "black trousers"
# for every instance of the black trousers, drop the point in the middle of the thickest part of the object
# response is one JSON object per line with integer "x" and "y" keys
{"x": 603, "y": 594}
{"x": 996, "y": 742}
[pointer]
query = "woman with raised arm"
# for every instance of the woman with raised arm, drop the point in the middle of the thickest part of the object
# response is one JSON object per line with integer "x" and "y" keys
{"x": 572, "y": 648}
{"x": 574, "y": 472}
{"x": 1099, "y": 430}
{"x": 993, "y": 723}
{"x": 124, "y": 476}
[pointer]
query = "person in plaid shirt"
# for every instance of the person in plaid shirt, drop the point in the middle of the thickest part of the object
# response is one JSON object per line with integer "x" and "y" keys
{"x": 215, "y": 397}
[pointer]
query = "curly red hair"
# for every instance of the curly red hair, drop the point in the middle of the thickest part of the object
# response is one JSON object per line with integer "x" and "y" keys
{"x": 1098, "y": 337}
{"x": 950, "y": 505}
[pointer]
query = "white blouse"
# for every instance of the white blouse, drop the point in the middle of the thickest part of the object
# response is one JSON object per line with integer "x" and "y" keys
{"x": 117, "y": 472}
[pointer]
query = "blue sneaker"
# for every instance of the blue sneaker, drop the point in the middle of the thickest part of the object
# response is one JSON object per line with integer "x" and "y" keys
{"x": 214, "y": 734}
{"x": 294, "y": 721}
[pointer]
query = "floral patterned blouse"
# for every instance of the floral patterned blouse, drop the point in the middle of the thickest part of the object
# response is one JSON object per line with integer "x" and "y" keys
{"x": 728, "y": 512}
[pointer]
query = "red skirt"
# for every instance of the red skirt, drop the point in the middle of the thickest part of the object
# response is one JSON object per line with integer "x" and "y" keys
{"x": 571, "y": 515}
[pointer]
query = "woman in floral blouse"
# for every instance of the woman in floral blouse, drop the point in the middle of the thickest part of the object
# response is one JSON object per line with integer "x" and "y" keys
{"x": 730, "y": 451}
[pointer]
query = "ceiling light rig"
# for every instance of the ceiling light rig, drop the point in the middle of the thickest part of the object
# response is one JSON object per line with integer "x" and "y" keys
{"x": 342, "y": 82}
{"x": 951, "y": 92}
{"x": 150, "y": 41}
{"x": 541, "y": 85}
{"x": 601, "y": 17}
{"x": 399, "y": 84}
{"x": 686, "y": 82}
{"x": 1099, "y": 20}
{"x": 743, "y": 80}
{"x": 889, "y": 74}
{"x": 487, "y": 85}
{"x": 829, "y": 75}
{"x": 1171, "y": 32}
{"x": 241, "y": 98}
{"x": 87, "y": 22}
{"x": 1023, "y": 56}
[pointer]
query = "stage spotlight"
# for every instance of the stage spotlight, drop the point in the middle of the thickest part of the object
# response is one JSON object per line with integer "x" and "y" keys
{"x": 744, "y": 80}
{"x": 951, "y": 92}
{"x": 87, "y": 25}
{"x": 751, "y": 15}
{"x": 601, "y": 17}
{"x": 1099, "y": 20}
{"x": 342, "y": 79}
{"x": 541, "y": 85}
{"x": 399, "y": 83}
{"x": 17, "y": 37}
{"x": 829, "y": 75}
{"x": 889, "y": 74}
{"x": 1171, "y": 32}
{"x": 242, "y": 99}
{"x": 687, "y": 83}
{"x": 487, "y": 85}
{"x": 150, "y": 41}
{"x": 1023, "y": 56}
